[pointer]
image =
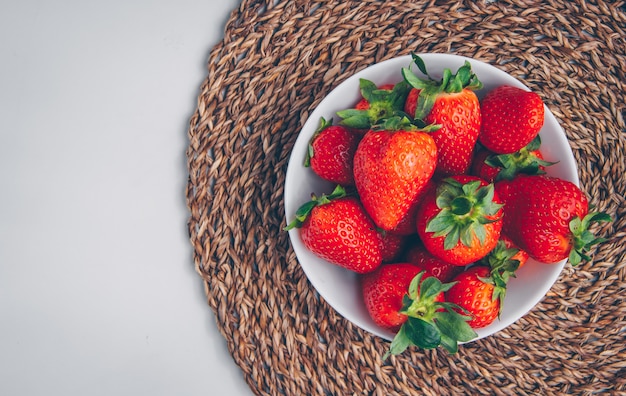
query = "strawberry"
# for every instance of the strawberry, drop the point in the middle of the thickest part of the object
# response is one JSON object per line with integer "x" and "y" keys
{"x": 410, "y": 104}
{"x": 377, "y": 105}
{"x": 511, "y": 118}
{"x": 391, "y": 245}
{"x": 475, "y": 293}
{"x": 331, "y": 152}
{"x": 481, "y": 289}
{"x": 383, "y": 292}
{"x": 400, "y": 298}
{"x": 451, "y": 104}
{"x": 406, "y": 226}
{"x": 460, "y": 221}
{"x": 493, "y": 167}
{"x": 442, "y": 270}
{"x": 548, "y": 218}
{"x": 481, "y": 169}
{"x": 391, "y": 168}
{"x": 336, "y": 228}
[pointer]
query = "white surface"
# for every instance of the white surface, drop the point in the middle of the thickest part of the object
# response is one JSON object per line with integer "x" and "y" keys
{"x": 340, "y": 287}
{"x": 98, "y": 295}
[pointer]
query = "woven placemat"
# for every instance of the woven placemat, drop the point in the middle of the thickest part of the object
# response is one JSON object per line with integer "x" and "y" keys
{"x": 277, "y": 60}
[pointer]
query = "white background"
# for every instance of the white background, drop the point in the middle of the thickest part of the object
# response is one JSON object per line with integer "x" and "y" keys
{"x": 98, "y": 294}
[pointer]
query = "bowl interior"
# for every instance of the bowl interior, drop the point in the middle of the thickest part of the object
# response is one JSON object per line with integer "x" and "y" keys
{"x": 340, "y": 287}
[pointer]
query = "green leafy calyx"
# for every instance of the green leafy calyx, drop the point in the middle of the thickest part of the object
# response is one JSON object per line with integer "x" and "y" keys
{"x": 305, "y": 210}
{"x": 523, "y": 161}
{"x": 465, "y": 209}
{"x": 582, "y": 238}
{"x": 430, "y": 323}
{"x": 383, "y": 104}
{"x": 431, "y": 89}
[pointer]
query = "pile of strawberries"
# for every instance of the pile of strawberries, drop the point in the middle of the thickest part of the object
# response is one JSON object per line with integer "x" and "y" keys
{"x": 440, "y": 198}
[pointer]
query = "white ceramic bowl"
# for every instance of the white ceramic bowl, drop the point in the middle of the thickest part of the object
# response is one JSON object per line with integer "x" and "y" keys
{"x": 340, "y": 287}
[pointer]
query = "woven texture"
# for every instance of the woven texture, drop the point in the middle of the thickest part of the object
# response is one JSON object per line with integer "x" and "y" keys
{"x": 276, "y": 62}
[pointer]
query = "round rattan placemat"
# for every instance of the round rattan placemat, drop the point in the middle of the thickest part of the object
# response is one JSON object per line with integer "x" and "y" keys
{"x": 277, "y": 60}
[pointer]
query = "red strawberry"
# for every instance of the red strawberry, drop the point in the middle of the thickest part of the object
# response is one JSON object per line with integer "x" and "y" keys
{"x": 511, "y": 118}
{"x": 406, "y": 226}
{"x": 452, "y": 104}
{"x": 483, "y": 170}
{"x": 384, "y": 290}
{"x": 331, "y": 152}
{"x": 492, "y": 167}
{"x": 391, "y": 168}
{"x": 377, "y": 105}
{"x": 476, "y": 295}
{"x": 433, "y": 266}
{"x": 482, "y": 288}
{"x": 400, "y": 298}
{"x": 391, "y": 246}
{"x": 548, "y": 218}
{"x": 410, "y": 104}
{"x": 336, "y": 228}
{"x": 460, "y": 221}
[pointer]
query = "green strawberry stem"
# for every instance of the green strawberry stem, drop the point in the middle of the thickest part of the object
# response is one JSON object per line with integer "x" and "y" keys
{"x": 430, "y": 88}
{"x": 522, "y": 161}
{"x": 500, "y": 261}
{"x": 430, "y": 323}
{"x": 582, "y": 238}
{"x": 305, "y": 210}
{"x": 465, "y": 209}
{"x": 383, "y": 104}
